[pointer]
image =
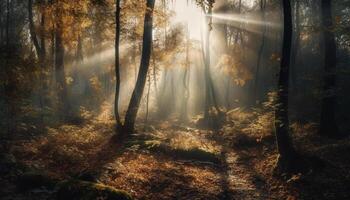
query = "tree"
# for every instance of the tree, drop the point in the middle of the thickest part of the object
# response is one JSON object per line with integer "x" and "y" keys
{"x": 328, "y": 124}
{"x": 261, "y": 49}
{"x": 210, "y": 98}
{"x": 185, "y": 80}
{"x": 144, "y": 65}
{"x": 296, "y": 45}
{"x": 117, "y": 67}
{"x": 59, "y": 65}
{"x": 32, "y": 30}
{"x": 287, "y": 154}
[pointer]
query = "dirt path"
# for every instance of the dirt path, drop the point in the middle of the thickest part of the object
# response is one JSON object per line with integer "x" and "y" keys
{"x": 158, "y": 174}
{"x": 239, "y": 182}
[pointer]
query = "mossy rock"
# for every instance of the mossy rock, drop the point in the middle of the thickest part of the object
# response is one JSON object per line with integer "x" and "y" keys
{"x": 33, "y": 179}
{"x": 83, "y": 190}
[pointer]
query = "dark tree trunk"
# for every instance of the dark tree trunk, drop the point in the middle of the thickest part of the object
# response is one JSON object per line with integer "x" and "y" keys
{"x": 60, "y": 72}
{"x": 7, "y": 28}
{"x": 42, "y": 35}
{"x": 144, "y": 65}
{"x": 52, "y": 56}
{"x": 284, "y": 143}
{"x": 8, "y": 75}
{"x": 117, "y": 67}
{"x": 296, "y": 46}
{"x": 261, "y": 51}
{"x": 8, "y": 25}
{"x": 1, "y": 26}
{"x": 328, "y": 124}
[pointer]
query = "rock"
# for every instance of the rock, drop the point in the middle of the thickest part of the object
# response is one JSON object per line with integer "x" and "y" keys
{"x": 84, "y": 190}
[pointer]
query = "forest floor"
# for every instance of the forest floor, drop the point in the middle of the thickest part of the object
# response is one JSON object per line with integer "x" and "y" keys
{"x": 166, "y": 160}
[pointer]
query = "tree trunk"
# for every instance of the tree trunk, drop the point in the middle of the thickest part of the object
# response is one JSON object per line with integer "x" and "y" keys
{"x": 185, "y": 80}
{"x": 284, "y": 143}
{"x": 60, "y": 72}
{"x": 144, "y": 65}
{"x": 147, "y": 100}
{"x": 210, "y": 98}
{"x": 42, "y": 35}
{"x": 1, "y": 26}
{"x": 7, "y": 26}
{"x": 155, "y": 78}
{"x": 296, "y": 45}
{"x": 32, "y": 30}
{"x": 328, "y": 124}
{"x": 8, "y": 75}
{"x": 117, "y": 67}
{"x": 261, "y": 50}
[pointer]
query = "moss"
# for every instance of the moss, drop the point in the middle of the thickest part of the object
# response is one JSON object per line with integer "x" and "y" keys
{"x": 83, "y": 190}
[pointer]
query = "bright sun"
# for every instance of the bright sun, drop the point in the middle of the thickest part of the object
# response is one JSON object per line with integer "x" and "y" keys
{"x": 191, "y": 14}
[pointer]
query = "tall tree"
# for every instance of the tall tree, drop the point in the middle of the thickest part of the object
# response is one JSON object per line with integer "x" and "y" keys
{"x": 59, "y": 65}
{"x": 42, "y": 32}
{"x": 261, "y": 49}
{"x": 144, "y": 65}
{"x": 185, "y": 80}
{"x": 117, "y": 67}
{"x": 287, "y": 155}
{"x": 328, "y": 124}
{"x": 210, "y": 98}
{"x": 32, "y": 30}
{"x": 295, "y": 45}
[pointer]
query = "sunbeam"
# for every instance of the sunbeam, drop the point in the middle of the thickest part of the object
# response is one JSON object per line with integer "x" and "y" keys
{"x": 243, "y": 19}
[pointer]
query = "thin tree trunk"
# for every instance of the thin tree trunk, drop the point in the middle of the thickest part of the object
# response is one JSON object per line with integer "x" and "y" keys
{"x": 155, "y": 77}
{"x": 1, "y": 26}
{"x": 210, "y": 98}
{"x": 261, "y": 50}
{"x": 144, "y": 65}
{"x": 60, "y": 71}
{"x": 147, "y": 100}
{"x": 32, "y": 30}
{"x": 42, "y": 34}
{"x": 328, "y": 124}
{"x": 296, "y": 45}
{"x": 7, "y": 85}
{"x": 8, "y": 26}
{"x": 117, "y": 67}
{"x": 185, "y": 78}
{"x": 284, "y": 143}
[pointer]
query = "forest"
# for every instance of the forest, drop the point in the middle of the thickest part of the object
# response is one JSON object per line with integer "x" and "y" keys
{"x": 174, "y": 99}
